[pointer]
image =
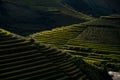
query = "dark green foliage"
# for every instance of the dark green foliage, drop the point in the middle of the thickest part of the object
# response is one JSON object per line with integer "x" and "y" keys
{"x": 88, "y": 69}
{"x": 79, "y": 49}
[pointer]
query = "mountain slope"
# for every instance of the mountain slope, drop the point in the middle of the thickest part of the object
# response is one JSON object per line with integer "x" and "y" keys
{"x": 92, "y": 40}
{"x": 95, "y": 7}
{"x": 105, "y": 30}
{"x": 107, "y": 27}
{"x": 37, "y": 15}
{"x": 99, "y": 42}
{"x": 21, "y": 58}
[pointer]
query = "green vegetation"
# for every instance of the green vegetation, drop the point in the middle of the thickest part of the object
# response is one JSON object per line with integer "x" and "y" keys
{"x": 88, "y": 69}
{"x": 96, "y": 41}
{"x": 59, "y": 36}
{"x": 22, "y": 58}
{"x": 105, "y": 58}
{"x": 114, "y": 16}
{"x": 87, "y": 51}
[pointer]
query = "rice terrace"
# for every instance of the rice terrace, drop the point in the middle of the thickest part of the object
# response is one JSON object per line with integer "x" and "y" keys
{"x": 59, "y": 40}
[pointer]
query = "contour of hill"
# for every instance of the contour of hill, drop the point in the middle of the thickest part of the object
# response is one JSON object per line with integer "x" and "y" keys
{"x": 95, "y": 7}
{"x": 102, "y": 30}
{"x": 92, "y": 40}
{"x": 28, "y": 16}
{"x": 59, "y": 36}
{"x": 23, "y": 59}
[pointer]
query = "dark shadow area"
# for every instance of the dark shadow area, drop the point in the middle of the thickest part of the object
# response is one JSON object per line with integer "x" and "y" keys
{"x": 24, "y": 21}
{"x": 95, "y": 7}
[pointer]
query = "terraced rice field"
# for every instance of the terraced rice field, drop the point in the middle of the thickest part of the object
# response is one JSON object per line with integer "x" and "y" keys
{"x": 59, "y": 36}
{"x": 22, "y": 59}
{"x": 96, "y": 41}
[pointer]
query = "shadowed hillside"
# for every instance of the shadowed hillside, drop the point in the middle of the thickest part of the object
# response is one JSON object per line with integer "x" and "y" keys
{"x": 22, "y": 58}
{"x": 95, "y": 7}
{"x": 28, "y": 16}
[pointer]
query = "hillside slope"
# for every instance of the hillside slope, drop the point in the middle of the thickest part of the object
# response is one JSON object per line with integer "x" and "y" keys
{"x": 28, "y": 16}
{"x": 21, "y": 58}
{"x": 95, "y": 7}
{"x": 102, "y": 30}
{"x": 105, "y": 30}
{"x": 92, "y": 40}
{"x": 100, "y": 42}
{"x": 59, "y": 36}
